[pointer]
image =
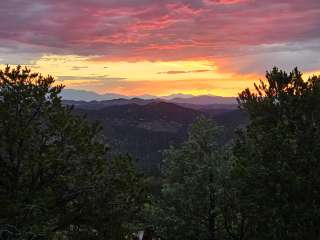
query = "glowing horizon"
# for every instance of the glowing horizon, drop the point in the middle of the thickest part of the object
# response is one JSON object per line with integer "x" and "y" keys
{"x": 139, "y": 47}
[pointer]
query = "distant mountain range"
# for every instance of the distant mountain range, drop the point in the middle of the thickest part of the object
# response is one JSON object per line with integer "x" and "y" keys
{"x": 186, "y": 100}
{"x": 83, "y": 95}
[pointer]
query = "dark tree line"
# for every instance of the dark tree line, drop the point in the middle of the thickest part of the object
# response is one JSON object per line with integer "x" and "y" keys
{"x": 55, "y": 179}
{"x": 265, "y": 185}
{"x": 277, "y": 157}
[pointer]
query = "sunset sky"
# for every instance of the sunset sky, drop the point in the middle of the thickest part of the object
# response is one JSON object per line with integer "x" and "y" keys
{"x": 160, "y": 47}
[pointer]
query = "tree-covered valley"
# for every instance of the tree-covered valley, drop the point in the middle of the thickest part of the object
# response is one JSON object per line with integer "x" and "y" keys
{"x": 147, "y": 128}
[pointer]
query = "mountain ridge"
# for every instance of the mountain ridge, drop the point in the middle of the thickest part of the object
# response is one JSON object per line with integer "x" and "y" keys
{"x": 116, "y": 99}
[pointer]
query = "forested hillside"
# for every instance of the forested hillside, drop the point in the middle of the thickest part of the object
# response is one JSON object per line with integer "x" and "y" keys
{"x": 145, "y": 128}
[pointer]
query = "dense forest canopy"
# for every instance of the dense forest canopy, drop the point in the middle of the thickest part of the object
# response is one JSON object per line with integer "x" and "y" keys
{"x": 55, "y": 179}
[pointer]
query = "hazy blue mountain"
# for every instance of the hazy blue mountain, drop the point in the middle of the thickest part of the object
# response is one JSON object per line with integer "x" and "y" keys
{"x": 82, "y": 95}
{"x": 178, "y": 95}
{"x": 78, "y": 95}
{"x": 181, "y": 99}
{"x": 205, "y": 100}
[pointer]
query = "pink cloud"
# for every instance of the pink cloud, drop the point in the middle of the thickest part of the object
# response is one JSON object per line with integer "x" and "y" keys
{"x": 228, "y": 1}
{"x": 157, "y": 30}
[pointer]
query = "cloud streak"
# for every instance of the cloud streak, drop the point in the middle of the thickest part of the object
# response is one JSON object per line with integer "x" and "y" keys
{"x": 184, "y": 72}
{"x": 157, "y": 30}
{"x": 99, "y": 78}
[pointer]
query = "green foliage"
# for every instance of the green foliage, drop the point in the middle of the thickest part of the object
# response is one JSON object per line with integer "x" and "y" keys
{"x": 277, "y": 157}
{"x": 192, "y": 187}
{"x": 54, "y": 177}
{"x": 114, "y": 212}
